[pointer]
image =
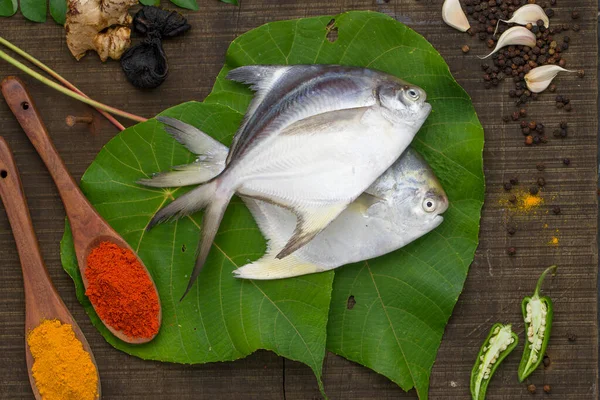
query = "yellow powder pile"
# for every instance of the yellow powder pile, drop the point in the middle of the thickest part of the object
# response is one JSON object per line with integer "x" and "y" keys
{"x": 525, "y": 202}
{"x": 62, "y": 369}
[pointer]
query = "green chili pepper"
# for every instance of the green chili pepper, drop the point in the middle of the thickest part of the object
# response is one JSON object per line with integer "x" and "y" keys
{"x": 499, "y": 343}
{"x": 537, "y": 312}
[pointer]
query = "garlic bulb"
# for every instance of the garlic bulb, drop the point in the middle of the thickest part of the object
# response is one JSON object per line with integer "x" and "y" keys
{"x": 517, "y": 35}
{"x": 538, "y": 79}
{"x": 528, "y": 14}
{"x": 453, "y": 15}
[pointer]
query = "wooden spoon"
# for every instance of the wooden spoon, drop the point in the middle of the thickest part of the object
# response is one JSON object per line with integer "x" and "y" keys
{"x": 42, "y": 301}
{"x": 88, "y": 227}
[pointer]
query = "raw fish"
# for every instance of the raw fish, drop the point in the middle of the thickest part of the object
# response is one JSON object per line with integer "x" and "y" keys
{"x": 403, "y": 204}
{"x": 312, "y": 148}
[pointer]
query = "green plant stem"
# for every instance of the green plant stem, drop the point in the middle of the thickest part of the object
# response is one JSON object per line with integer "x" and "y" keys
{"x": 56, "y": 76}
{"x": 69, "y": 92}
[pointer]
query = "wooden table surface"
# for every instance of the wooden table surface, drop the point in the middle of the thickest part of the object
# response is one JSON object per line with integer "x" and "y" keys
{"x": 496, "y": 282}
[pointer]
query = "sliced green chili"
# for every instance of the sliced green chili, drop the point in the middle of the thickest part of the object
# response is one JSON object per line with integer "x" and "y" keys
{"x": 499, "y": 343}
{"x": 537, "y": 312}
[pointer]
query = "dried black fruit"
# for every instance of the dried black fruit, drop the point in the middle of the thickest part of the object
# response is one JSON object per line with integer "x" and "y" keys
{"x": 145, "y": 64}
{"x": 153, "y": 20}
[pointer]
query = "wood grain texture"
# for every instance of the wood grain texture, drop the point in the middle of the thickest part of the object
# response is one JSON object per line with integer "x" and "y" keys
{"x": 42, "y": 301}
{"x": 89, "y": 229}
{"x": 496, "y": 282}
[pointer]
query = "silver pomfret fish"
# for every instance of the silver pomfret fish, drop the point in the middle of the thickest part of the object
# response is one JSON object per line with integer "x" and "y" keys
{"x": 403, "y": 204}
{"x": 312, "y": 150}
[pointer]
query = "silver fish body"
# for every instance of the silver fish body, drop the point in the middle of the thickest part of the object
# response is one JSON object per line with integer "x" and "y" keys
{"x": 312, "y": 150}
{"x": 403, "y": 204}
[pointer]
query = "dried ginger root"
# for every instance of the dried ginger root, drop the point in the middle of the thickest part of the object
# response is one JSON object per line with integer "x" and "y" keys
{"x": 99, "y": 25}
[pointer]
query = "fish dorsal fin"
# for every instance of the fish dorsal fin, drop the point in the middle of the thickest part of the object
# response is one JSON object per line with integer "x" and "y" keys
{"x": 259, "y": 77}
{"x": 194, "y": 139}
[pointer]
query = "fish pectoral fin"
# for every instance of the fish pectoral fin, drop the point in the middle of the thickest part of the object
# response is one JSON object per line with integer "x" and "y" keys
{"x": 273, "y": 268}
{"x": 308, "y": 225}
{"x": 365, "y": 201}
{"x": 194, "y": 139}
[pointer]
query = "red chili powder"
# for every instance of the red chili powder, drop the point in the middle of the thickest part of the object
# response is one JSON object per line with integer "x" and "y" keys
{"x": 121, "y": 291}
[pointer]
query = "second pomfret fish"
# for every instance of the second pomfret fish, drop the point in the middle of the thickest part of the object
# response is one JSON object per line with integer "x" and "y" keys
{"x": 403, "y": 204}
{"x": 311, "y": 146}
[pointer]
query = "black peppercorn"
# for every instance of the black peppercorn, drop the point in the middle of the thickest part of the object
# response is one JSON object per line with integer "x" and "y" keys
{"x": 556, "y": 210}
{"x": 541, "y": 182}
{"x": 512, "y": 198}
{"x": 507, "y": 186}
{"x": 534, "y": 190}
{"x": 514, "y": 181}
{"x": 540, "y": 166}
{"x": 575, "y": 15}
{"x": 511, "y": 251}
{"x": 511, "y": 230}
{"x": 566, "y": 161}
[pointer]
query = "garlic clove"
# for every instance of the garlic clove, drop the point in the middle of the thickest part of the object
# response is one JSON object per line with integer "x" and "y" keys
{"x": 539, "y": 78}
{"x": 453, "y": 15}
{"x": 515, "y": 36}
{"x": 528, "y": 14}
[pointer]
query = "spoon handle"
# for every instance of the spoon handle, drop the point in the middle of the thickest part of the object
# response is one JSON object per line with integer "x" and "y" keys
{"x": 20, "y": 102}
{"x": 35, "y": 276}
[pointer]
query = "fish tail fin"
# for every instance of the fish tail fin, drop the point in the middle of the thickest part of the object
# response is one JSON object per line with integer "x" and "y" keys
{"x": 209, "y": 165}
{"x": 192, "y": 201}
{"x": 310, "y": 223}
{"x": 210, "y": 225}
{"x": 269, "y": 267}
{"x": 179, "y": 178}
{"x": 193, "y": 138}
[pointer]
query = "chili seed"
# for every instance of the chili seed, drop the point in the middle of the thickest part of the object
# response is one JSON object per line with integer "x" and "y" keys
{"x": 547, "y": 388}
{"x": 581, "y": 73}
{"x": 531, "y": 388}
{"x": 465, "y": 49}
{"x": 534, "y": 190}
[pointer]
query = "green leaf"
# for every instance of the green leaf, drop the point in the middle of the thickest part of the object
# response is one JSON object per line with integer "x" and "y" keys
{"x": 34, "y": 10}
{"x": 189, "y": 4}
{"x": 403, "y": 300}
{"x": 8, "y": 7}
{"x": 223, "y": 318}
{"x": 234, "y": 2}
{"x": 58, "y": 11}
{"x": 150, "y": 2}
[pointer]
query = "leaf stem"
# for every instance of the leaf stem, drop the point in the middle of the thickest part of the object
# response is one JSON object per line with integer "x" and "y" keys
{"x": 56, "y": 76}
{"x": 68, "y": 92}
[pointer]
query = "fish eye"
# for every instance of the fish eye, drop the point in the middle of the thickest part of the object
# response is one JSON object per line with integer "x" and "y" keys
{"x": 413, "y": 94}
{"x": 429, "y": 205}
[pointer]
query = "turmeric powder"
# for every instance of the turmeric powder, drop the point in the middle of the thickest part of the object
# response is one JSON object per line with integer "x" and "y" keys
{"x": 524, "y": 202}
{"x": 62, "y": 369}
